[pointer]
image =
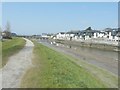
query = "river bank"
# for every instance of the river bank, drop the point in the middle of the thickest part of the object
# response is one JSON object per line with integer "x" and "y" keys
{"x": 97, "y": 62}
{"x": 105, "y": 59}
{"x": 88, "y": 44}
{"x": 50, "y": 71}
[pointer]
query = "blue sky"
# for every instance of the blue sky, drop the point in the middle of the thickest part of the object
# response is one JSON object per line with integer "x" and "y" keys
{"x": 51, "y": 17}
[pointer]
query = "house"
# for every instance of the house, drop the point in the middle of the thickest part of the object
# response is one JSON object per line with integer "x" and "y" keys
{"x": 36, "y": 36}
{"x": 116, "y": 35}
{"x": 44, "y": 36}
{"x": 108, "y": 35}
{"x": 60, "y": 35}
{"x": 111, "y": 34}
{"x": 72, "y": 35}
{"x": 89, "y": 34}
{"x": 13, "y": 34}
{"x": 101, "y": 34}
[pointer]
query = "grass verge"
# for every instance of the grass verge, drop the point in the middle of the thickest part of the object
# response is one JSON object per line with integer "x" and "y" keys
{"x": 10, "y": 47}
{"x": 53, "y": 70}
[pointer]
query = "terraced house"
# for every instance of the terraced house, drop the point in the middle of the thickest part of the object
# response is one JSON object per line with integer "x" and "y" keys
{"x": 108, "y": 35}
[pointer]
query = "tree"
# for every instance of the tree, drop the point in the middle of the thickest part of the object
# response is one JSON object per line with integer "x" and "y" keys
{"x": 7, "y": 31}
{"x": 0, "y": 30}
{"x": 0, "y": 33}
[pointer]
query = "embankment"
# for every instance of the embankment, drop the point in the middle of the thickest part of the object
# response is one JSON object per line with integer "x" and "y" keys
{"x": 90, "y": 45}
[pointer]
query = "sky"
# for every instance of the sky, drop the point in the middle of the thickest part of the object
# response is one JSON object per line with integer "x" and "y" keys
{"x": 51, "y": 17}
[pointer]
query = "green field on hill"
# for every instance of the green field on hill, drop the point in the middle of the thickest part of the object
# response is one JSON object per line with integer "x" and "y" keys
{"x": 10, "y": 47}
{"x": 52, "y": 69}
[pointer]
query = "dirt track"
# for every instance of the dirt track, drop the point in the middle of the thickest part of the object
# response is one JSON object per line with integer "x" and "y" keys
{"x": 13, "y": 71}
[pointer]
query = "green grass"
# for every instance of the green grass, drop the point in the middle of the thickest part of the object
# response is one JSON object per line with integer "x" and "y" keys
{"x": 10, "y": 47}
{"x": 55, "y": 70}
{"x": 107, "y": 78}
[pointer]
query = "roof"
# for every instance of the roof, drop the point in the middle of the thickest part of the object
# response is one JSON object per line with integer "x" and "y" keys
{"x": 62, "y": 32}
{"x": 73, "y": 32}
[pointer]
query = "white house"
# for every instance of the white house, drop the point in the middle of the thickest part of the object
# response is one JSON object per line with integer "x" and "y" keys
{"x": 107, "y": 35}
{"x": 61, "y": 35}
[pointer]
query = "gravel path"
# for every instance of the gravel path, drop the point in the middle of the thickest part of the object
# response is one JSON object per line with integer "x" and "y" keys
{"x": 13, "y": 71}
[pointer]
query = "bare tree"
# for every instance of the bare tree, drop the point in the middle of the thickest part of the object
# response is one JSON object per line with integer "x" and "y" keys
{"x": 0, "y": 33}
{"x": 7, "y": 31}
{"x": 0, "y": 30}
